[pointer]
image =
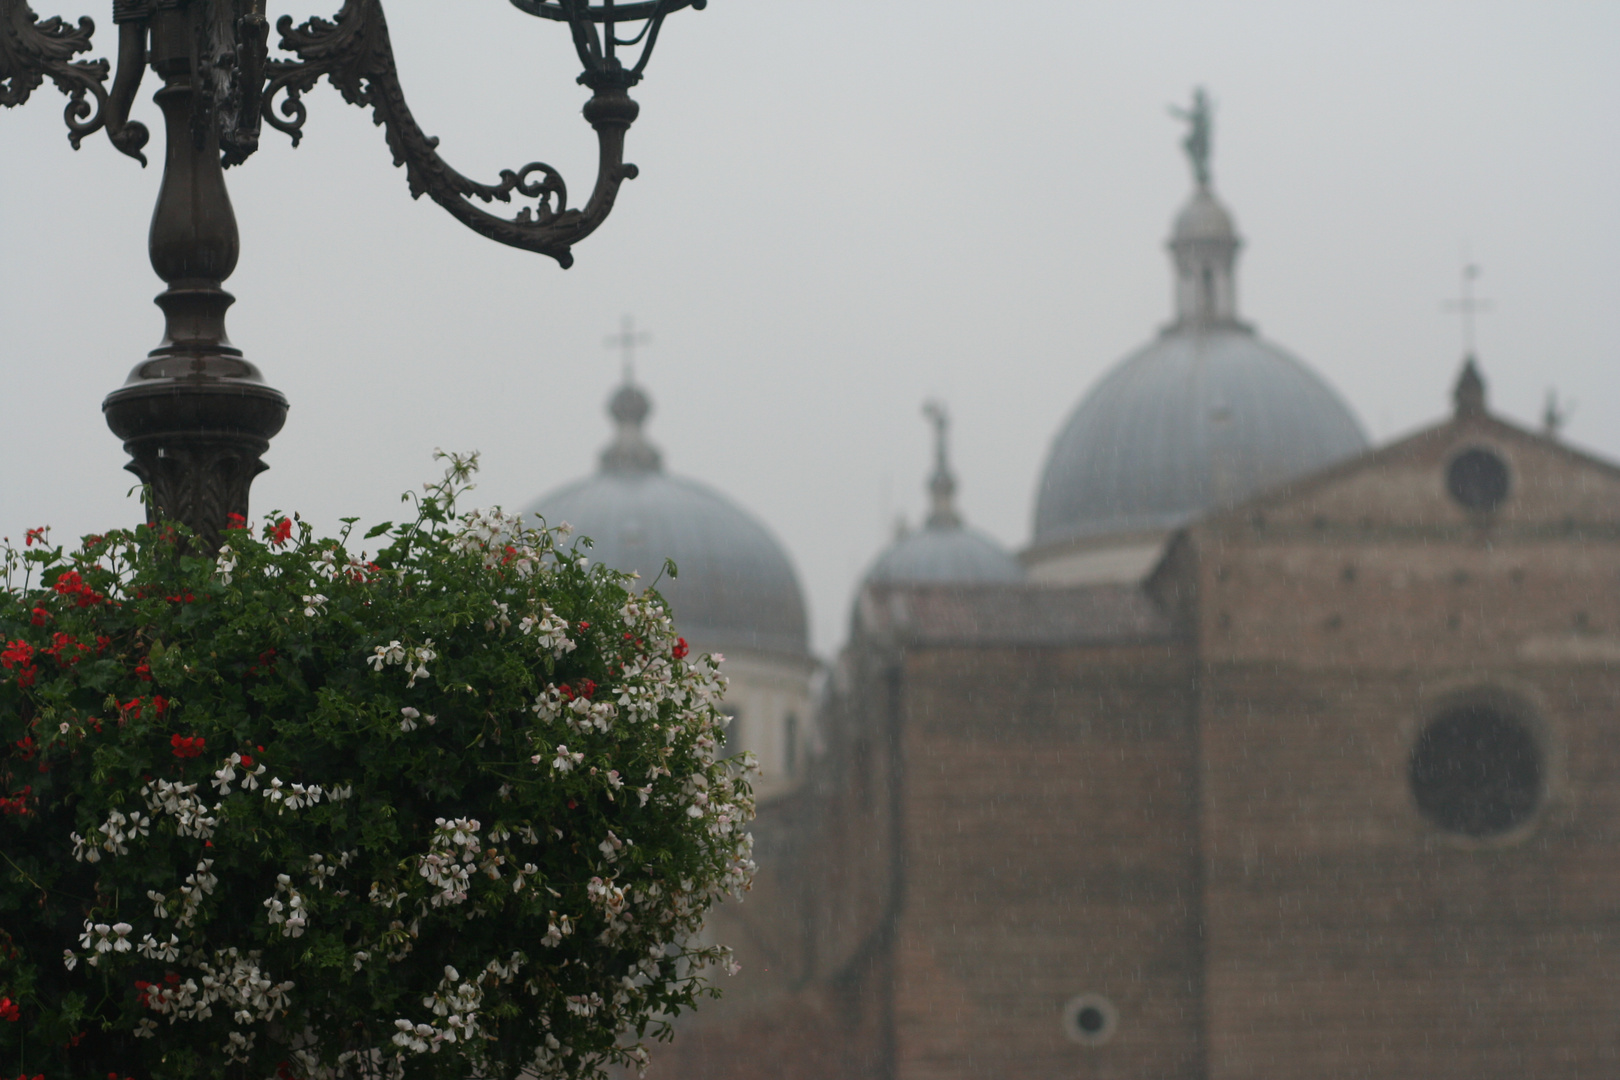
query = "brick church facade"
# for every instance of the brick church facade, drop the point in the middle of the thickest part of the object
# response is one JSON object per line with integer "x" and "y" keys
{"x": 1334, "y": 792}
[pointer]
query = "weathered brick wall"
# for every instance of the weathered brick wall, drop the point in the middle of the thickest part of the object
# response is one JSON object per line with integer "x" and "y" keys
{"x": 1051, "y": 850}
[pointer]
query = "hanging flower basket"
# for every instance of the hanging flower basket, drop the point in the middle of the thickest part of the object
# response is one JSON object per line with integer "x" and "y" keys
{"x": 454, "y": 808}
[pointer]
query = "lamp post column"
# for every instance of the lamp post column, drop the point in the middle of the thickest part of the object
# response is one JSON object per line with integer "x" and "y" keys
{"x": 195, "y": 416}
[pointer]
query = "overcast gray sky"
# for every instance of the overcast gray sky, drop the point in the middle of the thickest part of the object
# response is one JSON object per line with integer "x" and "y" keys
{"x": 845, "y": 208}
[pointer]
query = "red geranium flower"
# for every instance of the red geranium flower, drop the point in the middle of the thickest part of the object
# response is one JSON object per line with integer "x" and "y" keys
{"x": 62, "y": 645}
{"x": 281, "y": 532}
{"x": 187, "y": 746}
{"x": 681, "y": 648}
{"x": 70, "y": 583}
{"x": 39, "y": 615}
{"x": 18, "y": 803}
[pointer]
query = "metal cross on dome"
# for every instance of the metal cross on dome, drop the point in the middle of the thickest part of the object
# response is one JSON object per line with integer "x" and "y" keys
{"x": 626, "y": 341}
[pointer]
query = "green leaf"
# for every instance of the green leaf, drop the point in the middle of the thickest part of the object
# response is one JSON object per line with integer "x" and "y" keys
{"x": 669, "y": 568}
{"x": 378, "y": 530}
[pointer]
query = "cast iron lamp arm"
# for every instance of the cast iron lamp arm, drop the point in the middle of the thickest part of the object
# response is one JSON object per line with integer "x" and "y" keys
{"x": 353, "y": 52}
{"x": 31, "y": 51}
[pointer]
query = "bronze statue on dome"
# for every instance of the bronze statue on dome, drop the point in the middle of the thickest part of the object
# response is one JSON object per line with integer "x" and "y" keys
{"x": 1197, "y": 143}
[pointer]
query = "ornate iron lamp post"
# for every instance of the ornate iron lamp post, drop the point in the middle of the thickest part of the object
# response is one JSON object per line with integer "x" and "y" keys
{"x": 196, "y": 415}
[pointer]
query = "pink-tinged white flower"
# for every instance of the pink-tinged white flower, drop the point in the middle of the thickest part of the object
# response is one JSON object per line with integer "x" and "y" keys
{"x": 314, "y": 605}
{"x": 565, "y": 761}
{"x": 291, "y": 797}
{"x": 383, "y": 655}
{"x": 153, "y": 949}
{"x": 238, "y": 1046}
{"x": 558, "y": 928}
{"x": 103, "y": 938}
{"x": 501, "y": 617}
{"x": 286, "y": 908}
{"x": 225, "y": 564}
{"x": 409, "y": 718}
{"x": 611, "y": 846}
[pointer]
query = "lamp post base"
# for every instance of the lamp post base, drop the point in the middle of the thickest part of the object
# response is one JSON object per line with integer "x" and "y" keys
{"x": 197, "y": 446}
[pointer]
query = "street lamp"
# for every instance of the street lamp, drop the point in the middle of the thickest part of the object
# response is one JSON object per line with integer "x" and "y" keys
{"x": 195, "y": 415}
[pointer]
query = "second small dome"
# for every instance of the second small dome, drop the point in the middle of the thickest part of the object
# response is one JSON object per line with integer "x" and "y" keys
{"x": 944, "y": 549}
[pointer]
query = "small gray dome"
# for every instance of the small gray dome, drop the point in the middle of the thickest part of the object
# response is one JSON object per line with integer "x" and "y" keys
{"x": 953, "y": 554}
{"x": 1200, "y": 418}
{"x": 736, "y": 587}
{"x": 944, "y": 550}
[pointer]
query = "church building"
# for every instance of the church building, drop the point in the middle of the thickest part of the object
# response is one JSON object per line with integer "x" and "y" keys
{"x": 1275, "y": 755}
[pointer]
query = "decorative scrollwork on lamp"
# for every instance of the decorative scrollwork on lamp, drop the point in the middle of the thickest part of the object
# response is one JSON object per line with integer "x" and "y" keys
{"x": 195, "y": 415}
{"x": 32, "y": 51}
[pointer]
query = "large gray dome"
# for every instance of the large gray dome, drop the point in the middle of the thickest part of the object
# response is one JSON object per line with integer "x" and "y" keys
{"x": 736, "y": 587}
{"x": 1205, "y": 416}
{"x": 1195, "y": 420}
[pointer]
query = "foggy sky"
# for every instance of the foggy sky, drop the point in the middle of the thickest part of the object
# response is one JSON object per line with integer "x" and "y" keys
{"x": 844, "y": 208}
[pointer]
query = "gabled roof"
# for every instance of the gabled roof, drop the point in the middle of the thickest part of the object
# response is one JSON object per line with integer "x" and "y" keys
{"x": 1551, "y": 480}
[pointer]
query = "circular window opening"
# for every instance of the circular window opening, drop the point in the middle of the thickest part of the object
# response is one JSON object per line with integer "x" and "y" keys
{"x": 1477, "y": 771}
{"x": 1090, "y": 1019}
{"x": 1478, "y": 479}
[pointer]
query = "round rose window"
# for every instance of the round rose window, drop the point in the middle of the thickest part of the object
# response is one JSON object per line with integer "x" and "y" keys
{"x": 1477, "y": 771}
{"x": 1478, "y": 479}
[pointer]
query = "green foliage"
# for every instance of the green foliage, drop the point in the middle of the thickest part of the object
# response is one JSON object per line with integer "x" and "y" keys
{"x": 452, "y": 809}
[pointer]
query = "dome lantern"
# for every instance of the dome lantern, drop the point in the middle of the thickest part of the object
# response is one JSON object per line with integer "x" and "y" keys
{"x": 630, "y": 451}
{"x": 1204, "y": 243}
